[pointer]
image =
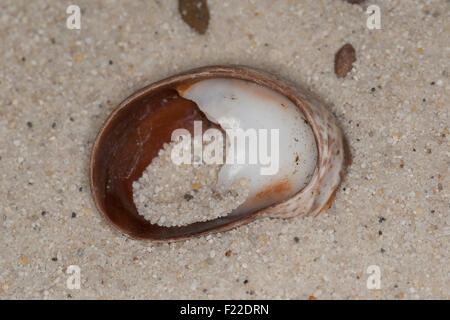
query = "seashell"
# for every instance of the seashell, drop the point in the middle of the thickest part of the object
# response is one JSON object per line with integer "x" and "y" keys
{"x": 240, "y": 106}
{"x": 222, "y": 97}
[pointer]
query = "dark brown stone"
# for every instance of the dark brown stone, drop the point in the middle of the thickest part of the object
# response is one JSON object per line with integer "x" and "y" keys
{"x": 195, "y": 13}
{"x": 343, "y": 61}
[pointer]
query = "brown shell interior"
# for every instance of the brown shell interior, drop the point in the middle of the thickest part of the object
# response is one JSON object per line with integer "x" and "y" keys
{"x": 132, "y": 137}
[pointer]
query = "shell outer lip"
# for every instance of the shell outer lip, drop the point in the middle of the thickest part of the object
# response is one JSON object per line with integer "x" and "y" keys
{"x": 311, "y": 200}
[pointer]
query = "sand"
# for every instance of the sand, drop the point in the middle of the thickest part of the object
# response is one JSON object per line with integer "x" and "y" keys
{"x": 57, "y": 87}
{"x": 171, "y": 194}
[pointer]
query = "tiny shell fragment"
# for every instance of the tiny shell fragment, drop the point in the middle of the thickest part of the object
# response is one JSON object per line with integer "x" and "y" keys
{"x": 343, "y": 61}
{"x": 195, "y": 13}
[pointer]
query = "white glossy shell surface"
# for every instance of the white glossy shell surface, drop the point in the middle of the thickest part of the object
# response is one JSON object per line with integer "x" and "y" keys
{"x": 287, "y": 153}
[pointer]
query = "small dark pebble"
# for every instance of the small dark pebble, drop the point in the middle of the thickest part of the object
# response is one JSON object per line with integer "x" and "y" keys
{"x": 54, "y": 259}
{"x": 245, "y": 281}
{"x": 195, "y": 14}
{"x": 188, "y": 197}
{"x": 440, "y": 187}
{"x": 296, "y": 239}
{"x": 432, "y": 211}
{"x": 80, "y": 189}
{"x": 43, "y": 213}
{"x": 414, "y": 149}
{"x": 373, "y": 89}
{"x": 343, "y": 60}
{"x": 428, "y": 150}
{"x": 53, "y": 125}
{"x": 380, "y": 232}
{"x": 381, "y": 219}
{"x": 30, "y": 124}
{"x": 72, "y": 119}
{"x": 23, "y": 59}
{"x": 74, "y": 214}
{"x": 382, "y": 250}
{"x": 355, "y": 1}
{"x": 110, "y": 62}
{"x": 433, "y": 83}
